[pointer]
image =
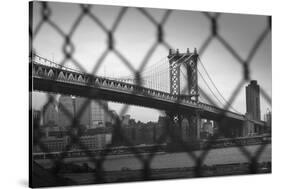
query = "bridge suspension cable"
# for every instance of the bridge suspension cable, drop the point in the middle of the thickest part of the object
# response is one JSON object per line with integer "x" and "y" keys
{"x": 212, "y": 82}
{"x": 210, "y": 88}
{"x": 206, "y": 85}
{"x": 154, "y": 76}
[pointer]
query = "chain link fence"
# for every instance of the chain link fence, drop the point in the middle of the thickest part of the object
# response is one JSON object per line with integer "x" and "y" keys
{"x": 74, "y": 132}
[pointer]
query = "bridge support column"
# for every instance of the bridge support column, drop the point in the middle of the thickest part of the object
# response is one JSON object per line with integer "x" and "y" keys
{"x": 248, "y": 128}
{"x": 257, "y": 129}
{"x": 174, "y": 126}
{"x": 185, "y": 127}
{"x": 194, "y": 126}
{"x": 190, "y": 127}
{"x": 216, "y": 128}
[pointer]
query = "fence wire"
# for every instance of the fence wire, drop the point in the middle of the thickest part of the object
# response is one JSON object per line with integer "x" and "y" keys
{"x": 68, "y": 49}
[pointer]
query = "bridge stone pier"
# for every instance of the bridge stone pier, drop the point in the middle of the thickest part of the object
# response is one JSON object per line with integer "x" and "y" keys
{"x": 185, "y": 128}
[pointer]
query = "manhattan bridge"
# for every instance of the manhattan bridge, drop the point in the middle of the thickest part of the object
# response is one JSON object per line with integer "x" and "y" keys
{"x": 170, "y": 85}
{"x": 181, "y": 97}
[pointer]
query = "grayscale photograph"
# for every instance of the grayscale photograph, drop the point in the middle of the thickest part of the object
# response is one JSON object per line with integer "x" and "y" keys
{"x": 123, "y": 94}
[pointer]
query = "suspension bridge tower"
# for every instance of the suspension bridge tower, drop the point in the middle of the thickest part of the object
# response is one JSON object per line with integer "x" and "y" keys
{"x": 189, "y": 62}
{"x": 186, "y": 63}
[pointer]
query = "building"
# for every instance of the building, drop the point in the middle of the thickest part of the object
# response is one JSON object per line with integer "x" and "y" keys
{"x": 99, "y": 113}
{"x": 55, "y": 131}
{"x": 92, "y": 142}
{"x": 36, "y": 114}
{"x": 90, "y": 113}
{"x": 111, "y": 118}
{"x": 108, "y": 138}
{"x": 207, "y": 129}
{"x": 249, "y": 127}
{"x": 160, "y": 128}
{"x": 82, "y": 109}
{"x": 65, "y": 111}
{"x": 162, "y": 121}
{"x": 97, "y": 116}
{"x": 252, "y": 108}
{"x": 50, "y": 115}
{"x": 125, "y": 119}
{"x": 53, "y": 144}
{"x": 184, "y": 129}
{"x": 268, "y": 120}
{"x": 253, "y": 100}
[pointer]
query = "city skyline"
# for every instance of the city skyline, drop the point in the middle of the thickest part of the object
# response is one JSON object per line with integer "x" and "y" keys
{"x": 94, "y": 113}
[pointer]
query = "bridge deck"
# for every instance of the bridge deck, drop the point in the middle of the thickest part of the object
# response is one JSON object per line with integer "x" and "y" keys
{"x": 69, "y": 82}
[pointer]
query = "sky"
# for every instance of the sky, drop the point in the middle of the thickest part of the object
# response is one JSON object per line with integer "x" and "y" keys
{"x": 136, "y": 34}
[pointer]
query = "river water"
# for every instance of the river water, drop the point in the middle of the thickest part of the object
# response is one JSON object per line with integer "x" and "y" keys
{"x": 172, "y": 160}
